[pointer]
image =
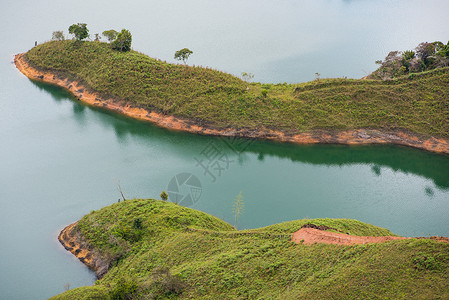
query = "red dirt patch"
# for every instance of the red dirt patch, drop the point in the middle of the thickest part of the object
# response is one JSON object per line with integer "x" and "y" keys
{"x": 310, "y": 234}
{"x": 320, "y": 227}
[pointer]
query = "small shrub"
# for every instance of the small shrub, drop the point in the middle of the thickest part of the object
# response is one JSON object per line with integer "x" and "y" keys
{"x": 164, "y": 195}
{"x": 124, "y": 289}
{"x": 425, "y": 262}
{"x": 137, "y": 224}
{"x": 231, "y": 280}
{"x": 110, "y": 35}
{"x": 128, "y": 234}
{"x": 167, "y": 283}
{"x": 247, "y": 76}
{"x": 57, "y": 36}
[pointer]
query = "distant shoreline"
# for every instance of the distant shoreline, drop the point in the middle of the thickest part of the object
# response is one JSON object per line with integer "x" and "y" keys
{"x": 346, "y": 137}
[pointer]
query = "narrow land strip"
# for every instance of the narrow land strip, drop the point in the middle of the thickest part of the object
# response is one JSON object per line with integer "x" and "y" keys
{"x": 74, "y": 242}
{"x": 349, "y": 137}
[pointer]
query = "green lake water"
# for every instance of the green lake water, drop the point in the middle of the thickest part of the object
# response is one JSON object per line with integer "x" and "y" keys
{"x": 61, "y": 159}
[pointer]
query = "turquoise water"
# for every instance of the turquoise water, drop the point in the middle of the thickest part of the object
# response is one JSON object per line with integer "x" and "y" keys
{"x": 61, "y": 159}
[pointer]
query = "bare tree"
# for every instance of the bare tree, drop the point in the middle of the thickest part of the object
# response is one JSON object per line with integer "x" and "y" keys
{"x": 120, "y": 189}
{"x": 238, "y": 207}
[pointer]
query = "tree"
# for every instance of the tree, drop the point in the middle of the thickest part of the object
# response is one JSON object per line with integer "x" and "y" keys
{"x": 122, "y": 41}
{"x": 408, "y": 55}
{"x": 390, "y": 66}
{"x": 247, "y": 76}
{"x": 427, "y": 56}
{"x": 57, "y": 36}
{"x": 97, "y": 37}
{"x": 393, "y": 57}
{"x": 183, "y": 54}
{"x": 164, "y": 195}
{"x": 444, "y": 51}
{"x": 79, "y": 30}
{"x": 416, "y": 65}
{"x": 438, "y": 46}
{"x": 110, "y": 34}
{"x": 121, "y": 192}
{"x": 424, "y": 50}
{"x": 238, "y": 207}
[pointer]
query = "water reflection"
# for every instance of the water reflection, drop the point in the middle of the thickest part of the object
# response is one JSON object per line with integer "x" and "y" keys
{"x": 403, "y": 159}
{"x": 376, "y": 170}
{"x": 56, "y": 92}
{"x": 429, "y": 191}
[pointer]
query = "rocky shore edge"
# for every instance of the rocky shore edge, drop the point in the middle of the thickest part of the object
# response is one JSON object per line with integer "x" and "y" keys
{"x": 348, "y": 137}
{"x": 72, "y": 240}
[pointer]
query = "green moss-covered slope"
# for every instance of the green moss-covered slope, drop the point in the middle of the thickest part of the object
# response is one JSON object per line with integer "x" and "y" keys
{"x": 165, "y": 251}
{"x": 417, "y": 103}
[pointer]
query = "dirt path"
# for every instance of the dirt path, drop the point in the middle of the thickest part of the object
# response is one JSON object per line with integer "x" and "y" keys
{"x": 350, "y": 137}
{"x": 311, "y": 235}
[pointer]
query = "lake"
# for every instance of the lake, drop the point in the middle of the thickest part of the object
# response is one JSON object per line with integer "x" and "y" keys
{"x": 61, "y": 159}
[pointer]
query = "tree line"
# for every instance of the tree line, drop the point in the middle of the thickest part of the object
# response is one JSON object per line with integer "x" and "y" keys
{"x": 120, "y": 41}
{"x": 425, "y": 57}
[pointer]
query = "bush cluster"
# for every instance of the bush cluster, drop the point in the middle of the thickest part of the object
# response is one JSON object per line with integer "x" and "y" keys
{"x": 427, "y": 56}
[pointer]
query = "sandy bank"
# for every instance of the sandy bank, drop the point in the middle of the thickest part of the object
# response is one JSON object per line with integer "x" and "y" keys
{"x": 350, "y": 137}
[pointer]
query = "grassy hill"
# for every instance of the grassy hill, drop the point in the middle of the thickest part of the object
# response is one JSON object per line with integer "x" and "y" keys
{"x": 416, "y": 102}
{"x": 160, "y": 250}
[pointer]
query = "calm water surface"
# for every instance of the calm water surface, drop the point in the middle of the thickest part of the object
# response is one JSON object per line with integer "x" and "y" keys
{"x": 61, "y": 159}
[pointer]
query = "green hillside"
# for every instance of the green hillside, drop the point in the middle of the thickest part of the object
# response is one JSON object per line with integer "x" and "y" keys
{"x": 416, "y": 102}
{"x": 160, "y": 250}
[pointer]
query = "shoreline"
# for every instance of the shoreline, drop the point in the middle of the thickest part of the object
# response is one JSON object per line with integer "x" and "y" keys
{"x": 72, "y": 241}
{"x": 345, "y": 137}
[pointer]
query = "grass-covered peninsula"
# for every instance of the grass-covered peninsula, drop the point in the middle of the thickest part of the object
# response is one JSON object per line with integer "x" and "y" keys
{"x": 149, "y": 249}
{"x": 417, "y": 103}
{"x": 160, "y": 250}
